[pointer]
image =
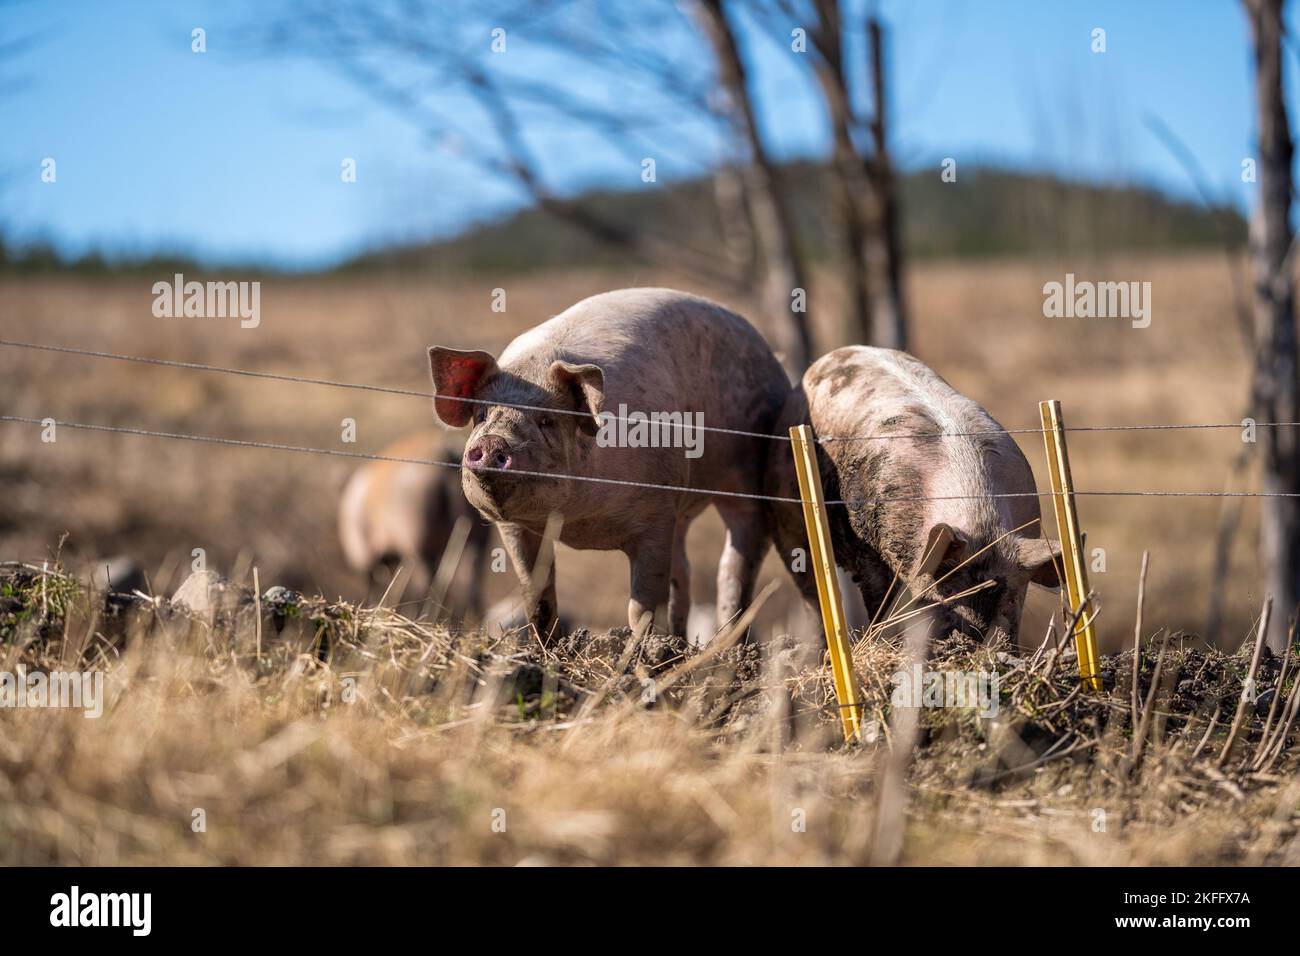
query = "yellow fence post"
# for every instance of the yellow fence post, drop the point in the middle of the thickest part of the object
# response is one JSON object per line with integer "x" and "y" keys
{"x": 828, "y": 585}
{"x": 1067, "y": 524}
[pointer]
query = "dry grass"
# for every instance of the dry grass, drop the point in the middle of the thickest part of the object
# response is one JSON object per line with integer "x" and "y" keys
{"x": 358, "y": 736}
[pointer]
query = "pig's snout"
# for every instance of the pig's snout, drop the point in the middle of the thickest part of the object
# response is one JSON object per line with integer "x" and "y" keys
{"x": 489, "y": 452}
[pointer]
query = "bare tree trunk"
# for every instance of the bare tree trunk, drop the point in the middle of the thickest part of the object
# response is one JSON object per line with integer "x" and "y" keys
{"x": 1277, "y": 370}
{"x": 865, "y": 190}
{"x": 891, "y": 308}
{"x": 770, "y": 210}
{"x": 850, "y": 185}
{"x": 733, "y": 221}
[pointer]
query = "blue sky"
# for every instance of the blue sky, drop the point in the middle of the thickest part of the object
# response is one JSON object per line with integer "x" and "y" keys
{"x": 234, "y": 155}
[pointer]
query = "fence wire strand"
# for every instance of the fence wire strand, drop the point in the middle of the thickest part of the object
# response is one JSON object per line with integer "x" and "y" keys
{"x": 416, "y": 393}
{"x": 848, "y": 502}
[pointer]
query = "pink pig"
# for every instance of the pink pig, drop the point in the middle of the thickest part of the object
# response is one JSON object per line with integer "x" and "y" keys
{"x": 543, "y": 411}
{"x": 940, "y": 497}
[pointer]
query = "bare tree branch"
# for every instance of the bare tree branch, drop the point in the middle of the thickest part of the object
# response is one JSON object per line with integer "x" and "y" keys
{"x": 769, "y": 202}
{"x": 1276, "y": 382}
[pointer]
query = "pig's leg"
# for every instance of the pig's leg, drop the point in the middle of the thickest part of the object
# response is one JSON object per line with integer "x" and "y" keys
{"x": 416, "y": 592}
{"x": 478, "y": 564}
{"x": 652, "y": 563}
{"x": 790, "y": 535}
{"x": 467, "y": 583}
{"x": 679, "y": 589}
{"x": 747, "y": 541}
{"x": 524, "y": 545}
{"x": 874, "y": 580}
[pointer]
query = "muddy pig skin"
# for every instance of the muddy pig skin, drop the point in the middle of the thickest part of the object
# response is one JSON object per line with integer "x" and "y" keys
{"x": 861, "y": 391}
{"x": 395, "y": 513}
{"x": 624, "y": 353}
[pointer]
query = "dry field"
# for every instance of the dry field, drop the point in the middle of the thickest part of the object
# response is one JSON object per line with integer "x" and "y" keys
{"x": 338, "y": 735}
{"x": 979, "y": 325}
{"x": 441, "y": 733}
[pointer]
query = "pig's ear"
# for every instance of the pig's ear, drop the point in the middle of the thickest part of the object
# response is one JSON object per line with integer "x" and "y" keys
{"x": 586, "y": 383}
{"x": 944, "y": 545}
{"x": 1042, "y": 559}
{"x": 457, "y": 375}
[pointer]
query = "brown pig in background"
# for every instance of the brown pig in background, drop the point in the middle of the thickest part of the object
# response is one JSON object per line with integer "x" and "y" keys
{"x": 536, "y": 414}
{"x": 402, "y": 513}
{"x": 855, "y": 398}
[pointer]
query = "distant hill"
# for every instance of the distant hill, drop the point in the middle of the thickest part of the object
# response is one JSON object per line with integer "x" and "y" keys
{"x": 987, "y": 212}
{"x": 43, "y": 259}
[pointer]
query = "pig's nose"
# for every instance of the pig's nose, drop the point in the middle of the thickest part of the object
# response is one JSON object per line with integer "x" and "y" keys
{"x": 490, "y": 451}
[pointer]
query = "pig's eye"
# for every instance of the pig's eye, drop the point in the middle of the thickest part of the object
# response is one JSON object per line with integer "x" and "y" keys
{"x": 546, "y": 421}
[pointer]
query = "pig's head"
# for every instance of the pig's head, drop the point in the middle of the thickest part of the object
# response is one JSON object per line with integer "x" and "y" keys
{"x": 953, "y": 563}
{"x": 524, "y": 424}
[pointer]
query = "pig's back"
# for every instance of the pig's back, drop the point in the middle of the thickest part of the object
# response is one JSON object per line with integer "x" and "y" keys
{"x": 885, "y": 389}
{"x": 662, "y": 351}
{"x": 864, "y": 391}
{"x": 660, "y": 344}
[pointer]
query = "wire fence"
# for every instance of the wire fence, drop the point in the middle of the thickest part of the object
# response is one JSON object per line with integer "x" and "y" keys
{"x": 429, "y": 396}
{"x": 849, "y": 502}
